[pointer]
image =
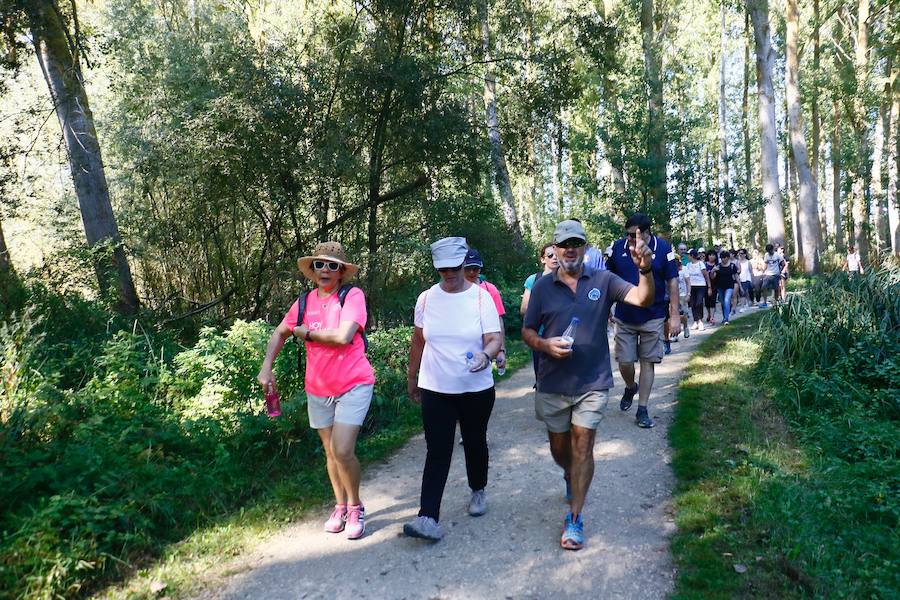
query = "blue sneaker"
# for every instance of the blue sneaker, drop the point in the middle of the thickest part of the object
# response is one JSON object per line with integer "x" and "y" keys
{"x": 667, "y": 347}
{"x": 573, "y": 533}
{"x": 764, "y": 305}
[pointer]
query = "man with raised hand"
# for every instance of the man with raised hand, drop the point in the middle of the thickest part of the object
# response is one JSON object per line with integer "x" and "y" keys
{"x": 574, "y": 373}
{"x": 639, "y": 330}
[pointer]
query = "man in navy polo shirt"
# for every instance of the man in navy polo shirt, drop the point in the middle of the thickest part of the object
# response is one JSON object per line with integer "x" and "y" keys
{"x": 639, "y": 331}
{"x": 574, "y": 376}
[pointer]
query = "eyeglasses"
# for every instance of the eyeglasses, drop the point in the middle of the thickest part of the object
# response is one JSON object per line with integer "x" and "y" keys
{"x": 449, "y": 269}
{"x": 632, "y": 236}
{"x": 321, "y": 265}
{"x": 551, "y": 255}
{"x": 571, "y": 243}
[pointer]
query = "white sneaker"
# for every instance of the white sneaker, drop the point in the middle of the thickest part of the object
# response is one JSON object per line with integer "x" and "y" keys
{"x": 702, "y": 326}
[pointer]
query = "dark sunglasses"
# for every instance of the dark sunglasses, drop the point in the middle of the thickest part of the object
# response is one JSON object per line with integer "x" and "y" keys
{"x": 571, "y": 243}
{"x": 320, "y": 265}
{"x": 449, "y": 269}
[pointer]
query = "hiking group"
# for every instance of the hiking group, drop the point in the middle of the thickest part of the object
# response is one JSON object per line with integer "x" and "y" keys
{"x": 567, "y": 309}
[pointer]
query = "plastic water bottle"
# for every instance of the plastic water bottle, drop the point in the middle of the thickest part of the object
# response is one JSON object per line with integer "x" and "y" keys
{"x": 501, "y": 370}
{"x": 273, "y": 403}
{"x": 569, "y": 333}
{"x": 470, "y": 359}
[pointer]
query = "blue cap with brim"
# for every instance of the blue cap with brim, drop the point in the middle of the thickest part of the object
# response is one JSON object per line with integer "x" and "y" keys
{"x": 473, "y": 259}
{"x": 449, "y": 252}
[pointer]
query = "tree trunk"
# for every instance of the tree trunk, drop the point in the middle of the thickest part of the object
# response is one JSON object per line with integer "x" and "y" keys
{"x": 808, "y": 205}
{"x": 498, "y": 155}
{"x": 62, "y": 72}
{"x": 793, "y": 207}
{"x": 837, "y": 220}
{"x": 745, "y": 106}
{"x": 882, "y": 135}
{"x": 858, "y": 175}
{"x": 5, "y": 263}
{"x": 765, "y": 57}
{"x": 894, "y": 165}
{"x": 656, "y": 142}
{"x": 723, "y": 138}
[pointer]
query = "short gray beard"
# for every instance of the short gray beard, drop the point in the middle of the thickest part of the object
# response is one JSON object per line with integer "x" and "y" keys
{"x": 571, "y": 268}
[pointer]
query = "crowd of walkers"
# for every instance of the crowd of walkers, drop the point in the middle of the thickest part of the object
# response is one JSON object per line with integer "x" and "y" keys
{"x": 640, "y": 285}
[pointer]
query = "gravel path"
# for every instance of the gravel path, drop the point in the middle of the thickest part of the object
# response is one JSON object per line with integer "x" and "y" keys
{"x": 512, "y": 551}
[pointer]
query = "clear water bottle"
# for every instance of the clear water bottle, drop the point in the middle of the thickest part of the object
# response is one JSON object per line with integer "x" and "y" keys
{"x": 501, "y": 370}
{"x": 569, "y": 333}
{"x": 273, "y": 403}
{"x": 470, "y": 360}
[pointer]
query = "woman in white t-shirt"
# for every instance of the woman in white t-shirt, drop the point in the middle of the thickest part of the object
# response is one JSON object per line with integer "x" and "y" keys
{"x": 745, "y": 278}
{"x": 456, "y": 336}
{"x": 853, "y": 263}
{"x": 697, "y": 278}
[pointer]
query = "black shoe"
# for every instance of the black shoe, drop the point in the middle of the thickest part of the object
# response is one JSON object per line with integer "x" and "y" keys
{"x": 628, "y": 397}
{"x": 643, "y": 419}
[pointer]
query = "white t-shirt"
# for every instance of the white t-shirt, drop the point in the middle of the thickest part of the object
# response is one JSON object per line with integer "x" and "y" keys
{"x": 746, "y": 274}
{"x": 773, "y": 263}
{"x": 694, "y": 271}
{"x": 853, "y": 262}
{"x": 453, "y": 325}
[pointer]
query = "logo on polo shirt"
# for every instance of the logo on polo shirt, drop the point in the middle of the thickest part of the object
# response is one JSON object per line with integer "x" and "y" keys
{"x": 594, "y": 294}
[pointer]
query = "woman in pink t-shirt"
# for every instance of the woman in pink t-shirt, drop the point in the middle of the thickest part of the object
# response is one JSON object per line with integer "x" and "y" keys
{"x": 339, "y": 379}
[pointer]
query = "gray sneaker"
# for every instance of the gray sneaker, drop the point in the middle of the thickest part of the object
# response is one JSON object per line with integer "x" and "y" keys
{"x": 425, "y": 528}
{"x": 478, "y": 503}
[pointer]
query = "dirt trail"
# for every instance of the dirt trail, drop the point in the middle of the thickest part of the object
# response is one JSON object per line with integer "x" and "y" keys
{"x": 513, "y": 551}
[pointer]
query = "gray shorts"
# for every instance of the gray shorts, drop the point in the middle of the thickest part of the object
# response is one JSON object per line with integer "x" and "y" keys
{"x": 559, "y": 412}
{"x": 639, "y": 341}
{"x": 771, "y": 282}
{"x": 349, "y": 408}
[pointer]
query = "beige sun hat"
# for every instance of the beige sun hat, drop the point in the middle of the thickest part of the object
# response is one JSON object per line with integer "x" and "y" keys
{"x": 327, "y": 251}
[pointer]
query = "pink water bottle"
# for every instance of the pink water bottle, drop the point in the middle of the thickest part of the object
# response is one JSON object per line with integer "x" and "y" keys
{"x": 273, "y": 404}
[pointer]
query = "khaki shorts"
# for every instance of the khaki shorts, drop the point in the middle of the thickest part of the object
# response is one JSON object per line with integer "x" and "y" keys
{"x": 349, "y": 408}
{"x": 559, "y": 412}
{"x": 639, "y": 341}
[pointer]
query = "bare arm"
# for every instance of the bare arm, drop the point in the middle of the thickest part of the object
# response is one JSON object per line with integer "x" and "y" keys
{"x": 643, "y": 293}
{"x": 524, "y": 305}
{"x": 341, "y": 336}
{"x": 416, "y": 346}
{"x": 674, "y": 305}
{"x": 276, "y": 342}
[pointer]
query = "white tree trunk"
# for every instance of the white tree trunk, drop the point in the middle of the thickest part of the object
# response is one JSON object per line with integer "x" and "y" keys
{"x": 836, "y": 220}
{"x": 765, "y": 57}
{"x": 858, "y": 174}
{"x": 723, "y": 138}
{"x": 808, "y": 202}
{"x": 894, "y": 166}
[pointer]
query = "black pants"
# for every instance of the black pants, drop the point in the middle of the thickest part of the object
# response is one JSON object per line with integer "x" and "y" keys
{"x": 698, "y": 295}
{"x": 440, "y": 413}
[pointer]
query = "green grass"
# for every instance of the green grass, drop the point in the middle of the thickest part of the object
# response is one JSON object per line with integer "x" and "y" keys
{"x": 187, "y": 567}
{"x": 766, "y": 496}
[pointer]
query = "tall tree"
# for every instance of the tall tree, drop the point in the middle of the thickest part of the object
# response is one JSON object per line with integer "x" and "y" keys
{"x": 498, "y": 155}
{"x": 882, "y": 140}
{"x": 58, "y": 55}
{"x": 765, "y": 92}
{"x": 656, "y": 140}
{"x": 808, "y": 201}
{"x": 894, "y": 164}
{"x": 858, "y": 174}
{"x": 745, "y": 107}
{"x": 723, "y": 135}
{"x": 836, "y": 162}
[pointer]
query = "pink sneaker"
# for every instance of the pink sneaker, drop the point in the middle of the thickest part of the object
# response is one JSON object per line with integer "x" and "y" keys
{"x": 356, "y": 521}
{"x": 335, "y": 523}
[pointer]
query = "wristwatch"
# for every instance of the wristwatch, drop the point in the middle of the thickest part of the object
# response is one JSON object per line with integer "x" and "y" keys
{"x": 308, "y": 336}
{"x": 646, "y": 271}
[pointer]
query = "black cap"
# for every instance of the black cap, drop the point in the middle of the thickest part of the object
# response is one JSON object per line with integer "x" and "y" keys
{"x": 473, "y": 259}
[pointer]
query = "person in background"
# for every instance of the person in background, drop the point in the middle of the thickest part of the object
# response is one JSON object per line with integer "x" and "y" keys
{"x": 683, "y": 254}
{"x": 853, "y": 262}
{"x": 759, "y": 274}
{"x": 724, "y": 277}
{"x": 785, "y": 273}
{"x": 456, "y": 336}
{"x": 712, "y": 260}
{"x": 697, "y": 278}
{"x": 472, "y": 267}
{"x": 548, "y": 261}
{"x": 339, "y": 380}
{"x": 639, "y": 331}
{"x": 774, "y": 265}
{"x": 575, "y": 374}
{"x": 745, "y": 277}
{"x": 593, "y": 258}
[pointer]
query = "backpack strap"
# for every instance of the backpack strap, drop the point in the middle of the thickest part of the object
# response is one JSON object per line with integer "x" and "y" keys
{"x": 342, "y": 296}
